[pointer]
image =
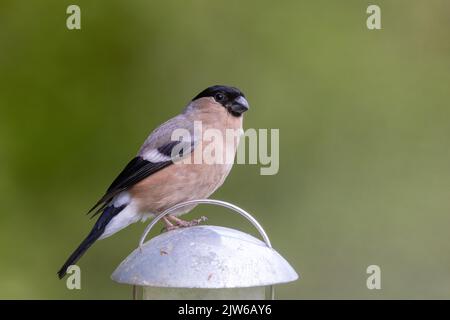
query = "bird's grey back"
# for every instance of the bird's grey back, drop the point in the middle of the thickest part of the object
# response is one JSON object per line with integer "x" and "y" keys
{"x": 162, "y": 135}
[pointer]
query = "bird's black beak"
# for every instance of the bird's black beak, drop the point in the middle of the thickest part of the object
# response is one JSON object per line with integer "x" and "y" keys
{"x": 239, "y": 106}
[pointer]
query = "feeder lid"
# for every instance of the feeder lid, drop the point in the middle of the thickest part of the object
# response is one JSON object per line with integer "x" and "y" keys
{"x": 204, "y": 257}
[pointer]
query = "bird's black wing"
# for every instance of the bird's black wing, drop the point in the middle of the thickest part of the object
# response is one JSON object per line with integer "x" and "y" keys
{"x": 135, "y": 171}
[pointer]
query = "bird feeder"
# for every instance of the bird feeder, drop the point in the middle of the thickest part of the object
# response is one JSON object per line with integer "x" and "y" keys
{"x": 204, "y": 262}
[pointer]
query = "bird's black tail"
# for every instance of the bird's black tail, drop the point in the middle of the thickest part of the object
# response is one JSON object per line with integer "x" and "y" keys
{"x": 98, "y": 229}
{"x": 76, "y": 255}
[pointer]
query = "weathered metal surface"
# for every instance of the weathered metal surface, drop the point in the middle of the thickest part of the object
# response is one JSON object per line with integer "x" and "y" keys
{"x": 204, "y": 257}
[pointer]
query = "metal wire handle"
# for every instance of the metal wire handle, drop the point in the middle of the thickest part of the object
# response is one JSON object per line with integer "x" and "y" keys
{"x": 220, "y": 203}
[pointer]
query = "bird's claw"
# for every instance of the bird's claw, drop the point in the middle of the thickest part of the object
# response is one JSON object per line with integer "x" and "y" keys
{"x": 179, "y": 223}
{"x": 184, "y": 224}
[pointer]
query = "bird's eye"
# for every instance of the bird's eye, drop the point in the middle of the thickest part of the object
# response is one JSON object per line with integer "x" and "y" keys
{"x": 219, "y": 97}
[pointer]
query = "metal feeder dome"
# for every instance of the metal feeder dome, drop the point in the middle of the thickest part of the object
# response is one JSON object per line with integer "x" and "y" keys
{"x": 204, "y": 262}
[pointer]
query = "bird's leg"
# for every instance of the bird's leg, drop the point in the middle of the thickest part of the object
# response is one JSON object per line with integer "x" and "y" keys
{"x": 168, "y": 225}
{"x": 183, "y": 223}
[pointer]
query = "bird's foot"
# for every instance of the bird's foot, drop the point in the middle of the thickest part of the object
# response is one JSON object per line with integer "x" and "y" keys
{"x": 183, "y": 223}
{"x": 168, "y": 225}
{"x": 172, "y": 223}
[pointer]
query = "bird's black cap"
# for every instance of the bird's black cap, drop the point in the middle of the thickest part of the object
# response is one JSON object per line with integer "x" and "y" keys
{"x": 229, "y": 97}
{"x": 230, "y": 92}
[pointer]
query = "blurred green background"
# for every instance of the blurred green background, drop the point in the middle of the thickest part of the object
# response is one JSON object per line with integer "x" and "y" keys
{"x": 364, "y": 121}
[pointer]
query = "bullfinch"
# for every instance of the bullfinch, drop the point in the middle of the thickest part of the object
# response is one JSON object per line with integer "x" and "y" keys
{"x": 168, "y": 171}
